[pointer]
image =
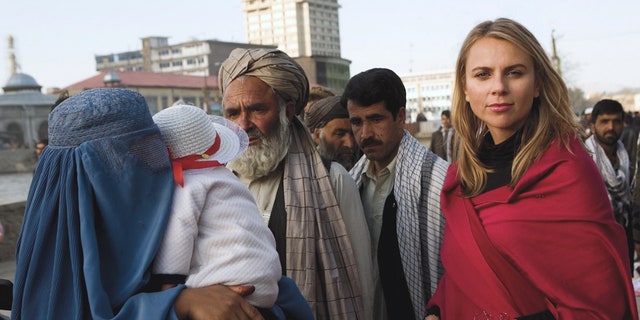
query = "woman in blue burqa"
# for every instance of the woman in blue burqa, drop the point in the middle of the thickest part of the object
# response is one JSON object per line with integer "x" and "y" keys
{"x": 95, "y": 215}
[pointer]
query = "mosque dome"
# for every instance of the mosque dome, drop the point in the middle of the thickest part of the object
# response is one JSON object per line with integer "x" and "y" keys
{"x": 21, "y": 81}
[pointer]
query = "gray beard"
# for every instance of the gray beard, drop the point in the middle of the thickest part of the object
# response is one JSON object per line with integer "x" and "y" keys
{"x": 259, "y": 161}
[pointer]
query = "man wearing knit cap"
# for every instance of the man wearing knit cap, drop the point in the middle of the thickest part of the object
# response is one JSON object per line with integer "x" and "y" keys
{"x": 322, "y": 241}
{"x": 329, "y": 124}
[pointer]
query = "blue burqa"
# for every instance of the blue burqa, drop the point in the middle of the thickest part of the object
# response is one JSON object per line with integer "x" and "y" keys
{"x": 95, "y": 214}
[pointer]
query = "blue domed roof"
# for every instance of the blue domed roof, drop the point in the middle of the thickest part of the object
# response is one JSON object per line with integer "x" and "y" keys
{"x": 21, "y": 81}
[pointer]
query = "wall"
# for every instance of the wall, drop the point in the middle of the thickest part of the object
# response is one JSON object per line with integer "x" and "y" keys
{"x": 11, "y": 215}
{"x": 21, "y": 160}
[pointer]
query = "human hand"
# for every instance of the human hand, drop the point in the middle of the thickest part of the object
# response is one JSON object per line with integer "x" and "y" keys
{"x": 431, "y": 317}
{"x": 215, "y": 302}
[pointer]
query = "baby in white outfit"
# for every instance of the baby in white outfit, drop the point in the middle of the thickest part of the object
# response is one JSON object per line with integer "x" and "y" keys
{"x": 216, "y": 234}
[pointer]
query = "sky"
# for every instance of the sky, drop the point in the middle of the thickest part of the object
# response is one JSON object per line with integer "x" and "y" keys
{"x": 597, "y": 41}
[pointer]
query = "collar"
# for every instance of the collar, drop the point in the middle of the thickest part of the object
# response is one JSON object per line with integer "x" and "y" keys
{"x": 367, "y": 171}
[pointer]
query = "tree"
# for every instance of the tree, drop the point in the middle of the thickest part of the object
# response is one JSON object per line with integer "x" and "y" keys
{"x": 578, "y": 101}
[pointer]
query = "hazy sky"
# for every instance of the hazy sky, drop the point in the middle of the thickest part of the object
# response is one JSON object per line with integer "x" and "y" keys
{"x": 598, "y": 41}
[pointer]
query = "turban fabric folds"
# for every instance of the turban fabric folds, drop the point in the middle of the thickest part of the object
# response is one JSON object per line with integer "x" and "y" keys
{"x": 323, "y": 111}
{"x": 272, "y": 66}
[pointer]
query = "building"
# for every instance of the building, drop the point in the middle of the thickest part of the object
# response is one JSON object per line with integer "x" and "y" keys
{"x": 430, "y": 94}
{"x": 24, "y": 112}
{"x": 160, "y": 90}
{"x": 196, "y": 57}
{"x": 24, "y": 109}
{"x": 629, "y": 98}
{"x": 307, "y": 30}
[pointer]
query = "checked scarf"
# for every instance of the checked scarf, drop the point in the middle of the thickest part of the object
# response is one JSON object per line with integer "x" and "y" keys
{"x": 420, "y": 175}
{"x": 319, "y": 255}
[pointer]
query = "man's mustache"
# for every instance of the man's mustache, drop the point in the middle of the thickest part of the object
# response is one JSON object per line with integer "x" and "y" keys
{"x": 347, "y": 151}
{"x": 255, "y": 133}
{"x": 370, "y": 143}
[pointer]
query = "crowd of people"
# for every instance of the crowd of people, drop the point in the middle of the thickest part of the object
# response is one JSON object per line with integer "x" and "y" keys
{"x": 287, "y": 209}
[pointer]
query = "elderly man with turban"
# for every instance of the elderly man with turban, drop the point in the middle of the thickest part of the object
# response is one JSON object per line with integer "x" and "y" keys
{"x": 329, "y": 124}
{"x": 322, "y": 241}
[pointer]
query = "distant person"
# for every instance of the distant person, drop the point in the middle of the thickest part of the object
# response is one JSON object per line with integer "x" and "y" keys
{"x": 95, "y": 216}
{"x": 315, "y": 93}
{"x": 321, "y": 234}
{"x": 635, "y": 191}
{"x": 529, "y": 230}
{"x": 399, "y": 181}
{"x": 442, "y": 139}
{"x": 64, "y": 95}
{"x": 40, "y": 145}
{"x": 612, "y": 160}
{"x": 629, "y": 138}
{"x": 14, "y": 144}
{"x": 329, "y": 124}
{"x": 585, "y": 124}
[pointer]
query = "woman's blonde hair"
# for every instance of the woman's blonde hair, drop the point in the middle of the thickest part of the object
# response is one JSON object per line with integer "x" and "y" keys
{"x": 550, "y": 118}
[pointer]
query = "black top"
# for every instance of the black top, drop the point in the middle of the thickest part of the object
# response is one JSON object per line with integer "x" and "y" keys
{"x": 499, "y": 158}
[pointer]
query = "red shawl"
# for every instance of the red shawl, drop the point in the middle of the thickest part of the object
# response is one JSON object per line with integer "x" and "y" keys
{"x": 556, "y": 236}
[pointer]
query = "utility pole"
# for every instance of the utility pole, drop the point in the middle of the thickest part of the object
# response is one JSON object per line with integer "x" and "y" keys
{"x": 555, "y": 58}
{"x": 410, "y": 57}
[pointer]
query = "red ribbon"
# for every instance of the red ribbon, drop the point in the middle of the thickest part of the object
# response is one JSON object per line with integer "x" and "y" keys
{"x": 191, "y": 162}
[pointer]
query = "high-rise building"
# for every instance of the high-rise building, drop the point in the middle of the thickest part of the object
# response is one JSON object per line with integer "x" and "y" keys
{"x": 307, "y": 30}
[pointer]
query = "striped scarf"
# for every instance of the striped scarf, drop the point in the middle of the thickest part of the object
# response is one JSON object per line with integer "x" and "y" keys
{"x": 616, "y": 181}
{"x": 319, "y": 255}
{"x": 420, "y": 221}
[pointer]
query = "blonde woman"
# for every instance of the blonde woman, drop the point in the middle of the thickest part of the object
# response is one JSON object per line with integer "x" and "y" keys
{"x": 530, "y": 233}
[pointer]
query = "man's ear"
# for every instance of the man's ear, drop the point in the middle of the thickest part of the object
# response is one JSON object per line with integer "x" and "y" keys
{"x": 402, "y": 114}
{"x": 316, "y": 135}
{"x": 291, "y": 110}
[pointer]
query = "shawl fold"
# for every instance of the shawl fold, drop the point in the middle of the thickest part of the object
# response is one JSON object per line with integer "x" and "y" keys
{"x": 555, "y": 227}
{"x": 319, "y": 254}
{"x": 419, "y": 177}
